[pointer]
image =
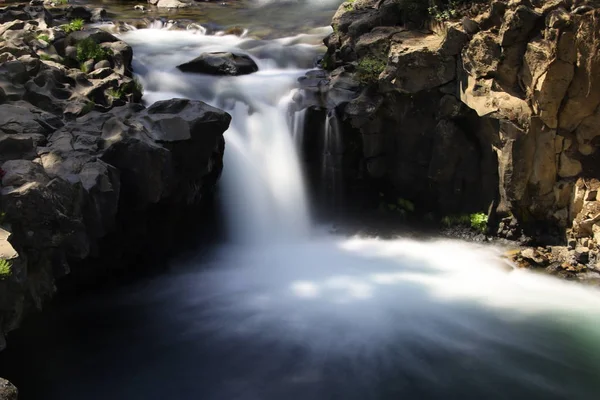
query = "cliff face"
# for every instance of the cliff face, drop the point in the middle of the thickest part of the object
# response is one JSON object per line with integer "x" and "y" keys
{"x": 88, "y": 175}
{"x": 498, "y": 109}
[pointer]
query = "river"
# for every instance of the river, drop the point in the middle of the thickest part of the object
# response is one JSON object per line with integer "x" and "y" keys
{"x": 283, "y": 309}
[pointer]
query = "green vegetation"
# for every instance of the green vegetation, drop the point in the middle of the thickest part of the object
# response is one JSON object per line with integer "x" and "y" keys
{"x": 349, "y": 4}
{"x": 450, "y": 9}
{"x": 89, "y": 106}
{"x": 443, "y": 14}
{"x": 44, "y": 38}
{"x": 116, "y": 93}
{"x": 61, "y": 2}
{"x": 87, "y": 49}
{"x": 48, "y": 57}
{"x": 73, "y": 26}
{"x": 369, "y": 69}
{"x": 476, "y": 221}
{"x": 327, "y": 62}
{"x": 402, "y": 207}
{"x": 5, "y": 269}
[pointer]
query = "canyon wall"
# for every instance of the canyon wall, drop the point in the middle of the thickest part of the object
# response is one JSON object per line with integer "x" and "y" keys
{"x": 492, "y": 106}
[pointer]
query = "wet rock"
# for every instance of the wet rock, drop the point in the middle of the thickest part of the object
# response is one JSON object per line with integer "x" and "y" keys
{"x": 220, "y": 64}
{"x": 79, "y": 12}
{"x": 98, "y": 15}
{"x": 171, "y": 4}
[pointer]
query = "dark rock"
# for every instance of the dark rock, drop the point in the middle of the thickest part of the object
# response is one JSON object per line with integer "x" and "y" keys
{"x": 79, "y": 12}
{"x": 98, "y": 15}
{"x": 220, "y": 64}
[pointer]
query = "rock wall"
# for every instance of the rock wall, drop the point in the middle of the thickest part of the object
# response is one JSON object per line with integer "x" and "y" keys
{"x": 498, "y": 111}
{"x": 88, "y": 175}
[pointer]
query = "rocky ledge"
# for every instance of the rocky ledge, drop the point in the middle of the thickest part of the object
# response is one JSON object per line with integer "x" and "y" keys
{"x": 88, "y": 174}
{"x": 469, "y": 106}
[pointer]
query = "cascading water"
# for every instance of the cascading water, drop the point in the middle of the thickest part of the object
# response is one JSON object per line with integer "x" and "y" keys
{"x": 263, "y": 187}
{"x": 288, "y": 312}
{"x": 332, "y": 154}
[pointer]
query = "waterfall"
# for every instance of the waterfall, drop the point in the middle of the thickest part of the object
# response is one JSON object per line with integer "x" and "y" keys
{"x": 332, "y": 160}
{"x": 263, "y": 188}
{"x": 285, "y": 311}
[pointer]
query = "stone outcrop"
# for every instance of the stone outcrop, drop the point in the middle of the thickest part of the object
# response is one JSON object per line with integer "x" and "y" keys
{"x": 222, "y": 63}
{"x": 88, "y": 175}
{"x": 497, "y": 111}
{"x": 7, "y": 390}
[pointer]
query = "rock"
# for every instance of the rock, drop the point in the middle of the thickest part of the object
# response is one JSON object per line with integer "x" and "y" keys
{"x": 220, "y": 64}
{"x": 568, "y": 167}
{"x": 171, "y": 4}
{"x": 98, "y": 15}
{"x": 79, "y": 12}
{"x": 414, "y": 64}
{"x": 482, "y": 55}
{"x": 470, "y": 26}
{"x": 22, "y": 118}
{"x": 582, "y": 255}
{"x": 535, "y": 257}
{"x": 101, "y": 64}
{"x": 7, "y": 390}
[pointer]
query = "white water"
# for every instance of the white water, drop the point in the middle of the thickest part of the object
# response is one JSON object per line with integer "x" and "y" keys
{"x": 375, "y": 303}
{"x": 332, "y": 150}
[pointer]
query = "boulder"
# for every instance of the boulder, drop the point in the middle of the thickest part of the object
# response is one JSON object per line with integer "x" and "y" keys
{"x": 220, "y": 64}
{"x": 171, "y": 4}
{"x": 8, "y": 391}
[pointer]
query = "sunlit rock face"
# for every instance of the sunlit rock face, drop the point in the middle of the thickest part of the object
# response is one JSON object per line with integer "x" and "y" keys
{"x": 502, "y": 101}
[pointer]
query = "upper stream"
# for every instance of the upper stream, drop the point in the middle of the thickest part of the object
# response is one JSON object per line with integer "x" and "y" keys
{"x": 285, "y": 310}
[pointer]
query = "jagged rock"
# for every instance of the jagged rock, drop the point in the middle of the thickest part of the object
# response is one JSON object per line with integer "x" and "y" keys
{"x": 7, "y": 390}
{"x": 80, "y": 12}
{"x": 415, "y": 64}
{"x": 482, "y": 55}
{"x": 98, "y": 15}
{"x": 220, "y": 64}
{"x": 85, "y": 169}
{"x": 22, "y": 118}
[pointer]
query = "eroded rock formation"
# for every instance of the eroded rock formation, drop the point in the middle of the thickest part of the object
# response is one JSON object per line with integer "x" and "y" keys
{"x": 88, "y": 174}
{"x": 498, "y": 111}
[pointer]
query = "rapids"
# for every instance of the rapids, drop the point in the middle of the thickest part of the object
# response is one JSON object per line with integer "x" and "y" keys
{"x": 286, "y": 310}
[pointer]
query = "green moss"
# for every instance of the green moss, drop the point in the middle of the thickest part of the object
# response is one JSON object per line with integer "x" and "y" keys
{"x": 89, "y": 106}
{"x": 88, "y": 49}
{"x": 406, "y": 205}
{"x": 45, "y": 57}
{"x": 349, "y": 4}
{"x": 44, "y": 38}
{"x": 116, "y": 93}
{"x": 479, "y": 221}
{"x": 476, "y": 221}
{"x": 369, "y": 69}
{"x": 327, "y": 62}
{"x": 5, "y": 269}
{"x": 449, "y": 9}
{"x": 73, "y": 26}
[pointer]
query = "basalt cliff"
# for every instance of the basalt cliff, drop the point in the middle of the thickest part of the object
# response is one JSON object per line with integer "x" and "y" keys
{"x": 469, "y": 106}
{"x": 89, "y": 176}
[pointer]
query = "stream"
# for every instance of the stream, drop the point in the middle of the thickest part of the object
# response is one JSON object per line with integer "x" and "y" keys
{"x": 283, "y": 309}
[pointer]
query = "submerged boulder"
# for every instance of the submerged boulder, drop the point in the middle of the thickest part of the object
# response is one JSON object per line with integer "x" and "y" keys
{"x": 221, "y": 63}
